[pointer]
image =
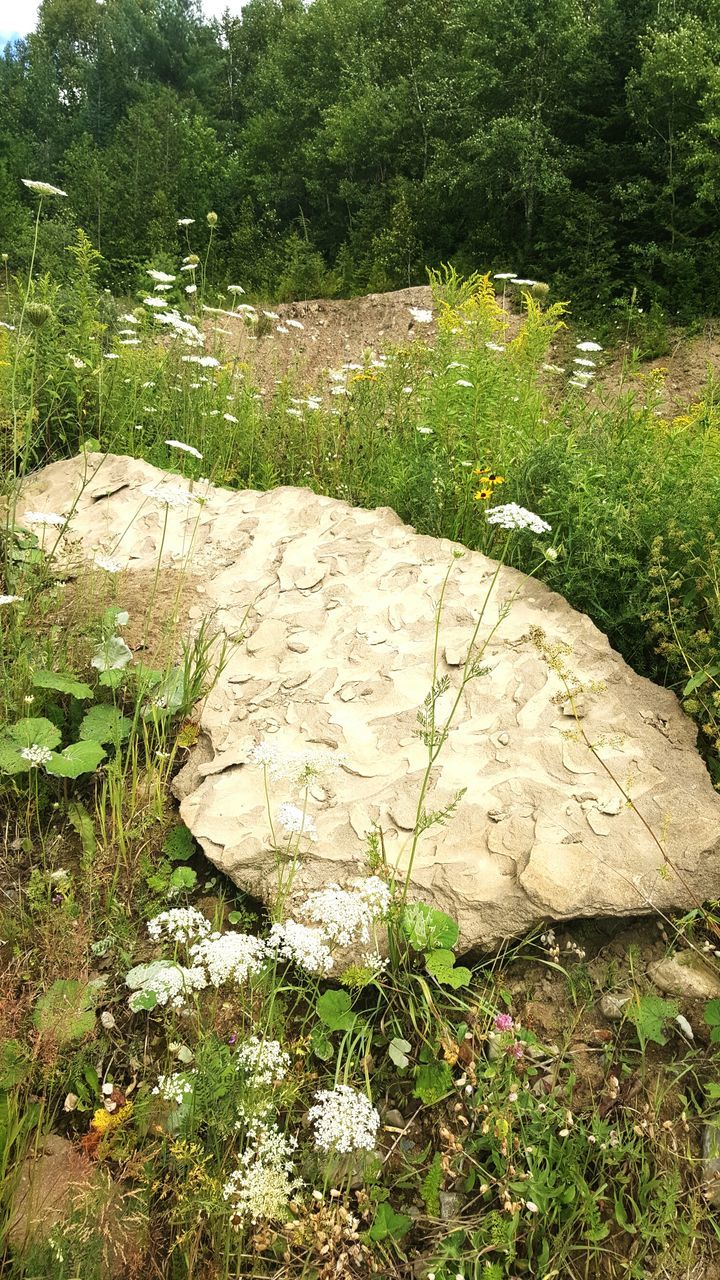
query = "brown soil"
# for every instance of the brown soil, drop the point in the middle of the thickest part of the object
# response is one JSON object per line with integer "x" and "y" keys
{"x": 336, "y": 331}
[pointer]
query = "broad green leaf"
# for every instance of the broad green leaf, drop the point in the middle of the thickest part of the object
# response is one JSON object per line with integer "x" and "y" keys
{"x": 389, "y": 1224}
{"x": 62, "y": 683}
{"x": 334, "y": 1009}
{"x": 10, "y": 759}
{"x": 67, "y": 1010}
{"x": 433, "y": 1081}
{"x": 111, "y": 655}
{"x": 178, "y": 844}
{"x": 80, "y": 757}
{"x": 183, "y": 878}
{"x": 35, "y": 731}
{"x": 441, "y": 965}
{"x": 111, "y": 679}
{"x": 425, "y": 927}
{"x": 104, "y": 723}
{"x": 15, "y": 1064}
{"x": 398, "y": 1049}
{"x": 712, "y": 1013}
{"x": 322, "y": 1046}
{"x": 649, "y": 1015}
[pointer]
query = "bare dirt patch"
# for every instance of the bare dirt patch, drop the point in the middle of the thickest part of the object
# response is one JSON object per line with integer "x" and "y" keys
{"x": 333, "y": 331}
{"x": 336, "y": 331}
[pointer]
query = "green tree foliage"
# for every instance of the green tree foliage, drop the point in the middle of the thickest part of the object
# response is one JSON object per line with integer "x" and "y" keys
{"x": 350, "y": 144}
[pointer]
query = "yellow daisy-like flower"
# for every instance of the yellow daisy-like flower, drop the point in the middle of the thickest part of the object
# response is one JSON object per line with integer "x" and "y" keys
{"x": 483, "y": 494}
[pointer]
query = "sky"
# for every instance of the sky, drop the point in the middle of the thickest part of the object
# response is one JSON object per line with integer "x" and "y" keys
{"x": 17, "y": 17}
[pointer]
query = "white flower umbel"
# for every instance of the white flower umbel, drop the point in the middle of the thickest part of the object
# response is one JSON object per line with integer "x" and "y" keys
{"x": 42, "y": 188}
{"x": 297, "y": 767}
{"x": 230, "y": 957}
{"x": 161, "y": 277}
{"x": 421, "y": 315}
{"x": 344, "y": 1120}
{"x": 588, "y": 346}
{"x": 305, "y": 946}
{"x": 44, "y": 518}
{"x": 172, "y": 495}
{"x": 184, "y": 448}
{"x": 154, "y": 302}
{"x": 264, "y": 1182}
{"x": 185, "y": 222}
{"x": 107, "y": 564}
{"x": 346, "y": 915}
{"x": 511, "y": 516}
{"x": 169, "y": 983}
{"x": 10, "y": 600}
{"x": 263, "y": 1061}
{"x": 180, "y": 924}
{"x": 36, "y": 755}
{"x": 296, "y": 823}
{"x": 175, "y": 1088}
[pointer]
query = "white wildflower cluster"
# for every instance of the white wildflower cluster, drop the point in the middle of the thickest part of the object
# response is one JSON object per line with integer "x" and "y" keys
{"x": 298, "y": 767}
{"x": 584, "y": 372}
{"x": 205, "y": 362}
{"x": 305, "y": 946}
{"x": 344, "y": 1120}
{"x": 421, "y": 315}
{"x": 181, "y": 924}
{"x": 44, "y": 518}
{"x": 346, "y": 915}
{"x": 170, "y": 984}
{"x": 183, "y": 327}
{"x": 10, "y": 599}
{"x": 42, "y": 188}
{"x": 229, "y": 957}
{"x": 107, "y": 564}
{"x": 510, "y": 516}
{"x": 263, "y": 1061}
{"x": 172, "y": 495}
{"x": 176, "y": 1087}
{"x": 295, "y": 822}
{"x": 264, "y": 1182}
{"x": 184, "y": 448}
{"x": 36, "y": 755}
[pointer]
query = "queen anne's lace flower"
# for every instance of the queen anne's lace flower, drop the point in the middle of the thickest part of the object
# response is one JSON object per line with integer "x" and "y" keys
{"x": 176, "y": 1087}
{"x": 180, "y": 924}
{"x": 421, "y": 315}
{"x": 263, "y": 1061}
{"x": 588, "y": 346}
{"x": 184, "y": 448}
{"x": 10, "y": 599}
{"x": 264, "y": 1183}
{"x": 107, "y": 564}
{"x": 169, "y": 983}
{"x": 44, "y": 517}
{"x": 172, "y": 495}
{"x": 295, "y": 822}
{"x": 344, "y": 1120}
{"x": 305, "y": 946}
{"x": 162, "y": 277}
{"x": 230, "y": 957}
{"x": 42, "y": 188}
{"x": 36, "y": 755}
{"x": 511, "y": 516}
{"x": 346, "y": 915}
{"x": 297, "y": 767}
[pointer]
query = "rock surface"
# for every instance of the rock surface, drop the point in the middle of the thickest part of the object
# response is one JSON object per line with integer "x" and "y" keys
{"x": 337, "y": 605}
{"x": 687, "y": 975}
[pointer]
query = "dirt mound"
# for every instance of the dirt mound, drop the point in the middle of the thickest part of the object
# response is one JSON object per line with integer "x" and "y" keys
{"x": 306, "y": 337}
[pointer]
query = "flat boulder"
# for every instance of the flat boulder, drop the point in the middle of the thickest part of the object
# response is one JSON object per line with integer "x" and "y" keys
{"x": 594, "y": 804}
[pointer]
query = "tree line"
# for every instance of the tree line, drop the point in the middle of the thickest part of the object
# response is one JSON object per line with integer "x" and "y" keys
{"x": 347, "y": 145}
